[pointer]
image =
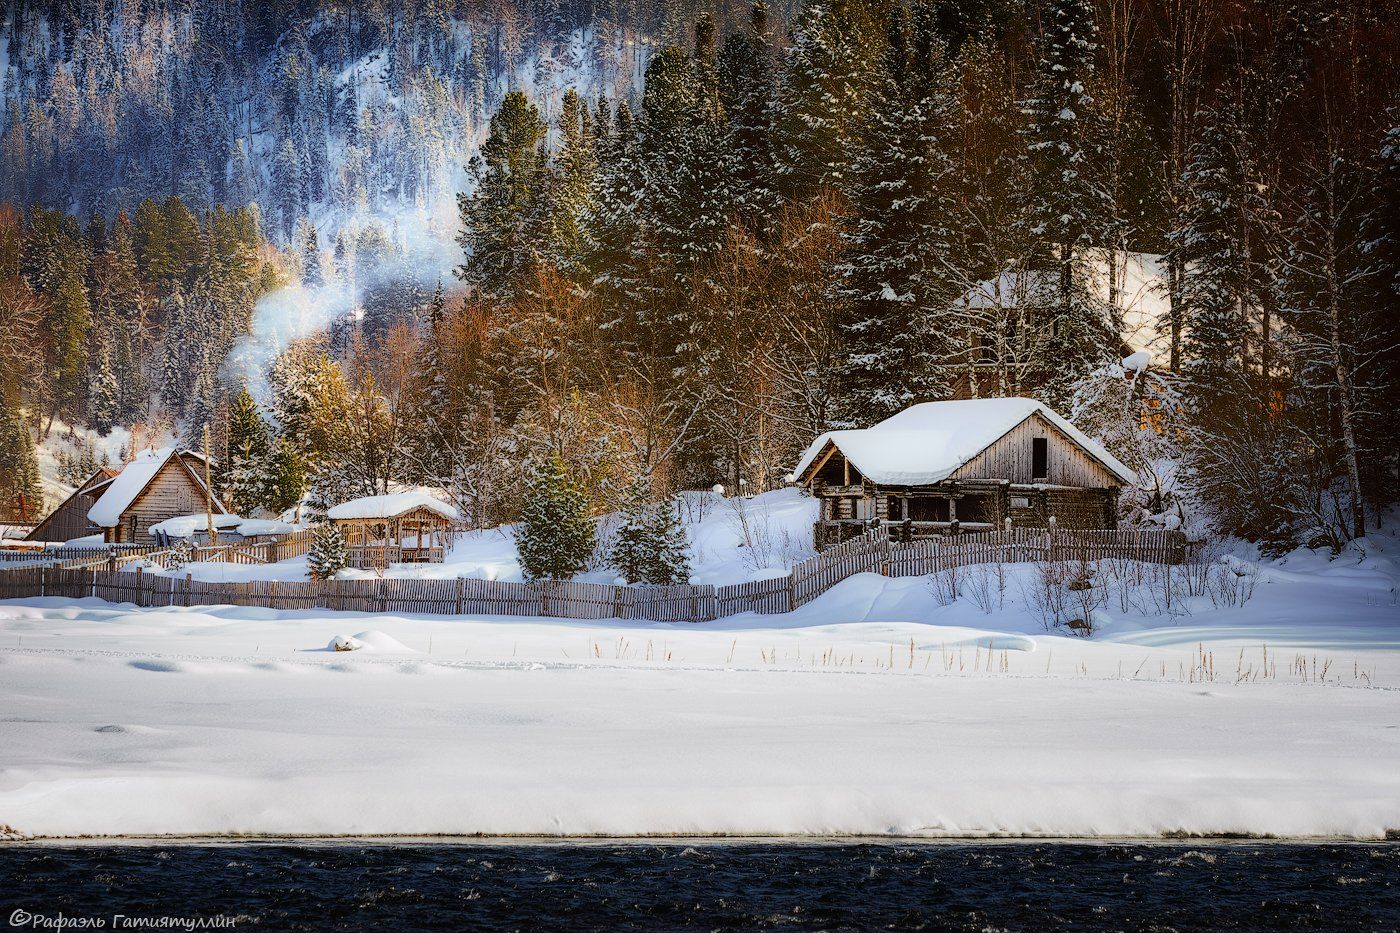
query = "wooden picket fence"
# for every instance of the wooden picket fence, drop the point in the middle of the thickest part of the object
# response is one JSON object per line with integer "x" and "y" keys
{"x": 872, "y": 552}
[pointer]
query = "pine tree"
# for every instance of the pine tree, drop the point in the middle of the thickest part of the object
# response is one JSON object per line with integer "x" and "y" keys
{"x": 1208, "y": 247}
{"x": 246, "y": 474}
{"x": 310, "y": 247}
{"x": 554, "y": 536}
{"x": 1067, "y": 204}
{"x": 71, "y": 321}
{"x": 821, "y": 101}
{"x": 1068, "y": 207}
{"x": 436, "y": 443}
{"x": 200, "y": 411}
{"x": 503, "y": 218}
{"x": 327, "y": 555}
{"x": 286, "y": 188}
{"x": 21, "y": 495}
{"x": 577, "y": 166}
{"x": 747, "y": 81}
{"x": 103, "y": 400}
{"x": 895, "y": 286}
{"x": 285, "y": 478}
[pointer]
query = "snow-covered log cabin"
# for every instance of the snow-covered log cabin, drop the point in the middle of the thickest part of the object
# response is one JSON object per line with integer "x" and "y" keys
{"x": 157, "y": 485}
{"x": 962, "y": 465}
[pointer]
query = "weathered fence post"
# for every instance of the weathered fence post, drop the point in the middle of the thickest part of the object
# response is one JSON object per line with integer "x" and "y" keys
{"x": 189, "y": 587}
{"x": 461, "y": 590}
{"x": 43, "y": 581}
{"x": 381, "y": 596}
{"x": 272, "y": 594}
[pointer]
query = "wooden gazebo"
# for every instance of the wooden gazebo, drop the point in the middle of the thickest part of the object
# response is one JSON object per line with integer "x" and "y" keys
{"x": 408, "y": 527}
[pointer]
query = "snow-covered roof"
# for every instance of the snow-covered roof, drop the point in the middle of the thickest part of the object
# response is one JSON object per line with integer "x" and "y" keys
{"x": 929, "y": 442}
{"x": 185, "y": 526}
{"x": 390, "y": 506}
{"x": 120, "y": 492}
{"x": 249, "y": 527}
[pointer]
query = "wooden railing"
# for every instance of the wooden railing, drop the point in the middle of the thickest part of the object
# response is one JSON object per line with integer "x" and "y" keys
{"x": 372, "y": 556}
{"x": 871, "y": 552}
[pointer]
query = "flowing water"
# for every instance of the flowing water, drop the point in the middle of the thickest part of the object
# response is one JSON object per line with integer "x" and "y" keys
{"x": 703, "y": 886}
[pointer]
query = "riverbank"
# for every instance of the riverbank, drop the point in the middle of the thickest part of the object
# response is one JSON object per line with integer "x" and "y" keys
{"x": 241, "y": 721}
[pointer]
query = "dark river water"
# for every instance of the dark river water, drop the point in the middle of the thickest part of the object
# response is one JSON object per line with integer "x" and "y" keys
{"x": 702, "y": 886}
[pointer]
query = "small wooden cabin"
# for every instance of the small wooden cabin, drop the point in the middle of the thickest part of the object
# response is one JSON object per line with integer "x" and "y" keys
{"x": 69, "y": 520}
{"x": 156, "y": 486}
{"x": 408, "y": 527}
{"x": 943, "y": 467}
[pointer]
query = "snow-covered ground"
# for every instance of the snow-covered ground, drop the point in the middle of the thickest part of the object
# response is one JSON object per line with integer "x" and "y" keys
{"x": 732, "y": 540}
{"x": 873, "y": 710}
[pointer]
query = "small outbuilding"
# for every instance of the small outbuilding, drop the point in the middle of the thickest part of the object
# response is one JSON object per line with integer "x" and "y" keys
{"x": 965, "y": 465}
{"x": 406, "y": 527}
{"x": 69, "y": 520}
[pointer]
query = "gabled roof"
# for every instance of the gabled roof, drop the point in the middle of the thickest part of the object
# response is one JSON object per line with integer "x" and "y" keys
{"x": 390, "y": 506}
{"x": 118, "y": 493}
{"x": 927, "y": 443}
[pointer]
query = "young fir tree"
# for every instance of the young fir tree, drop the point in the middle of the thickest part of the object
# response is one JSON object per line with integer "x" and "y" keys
{"x": 327, "y": 555}
{"x": 669, "y": 560}
{"x": 650, "y": 545}
{"x": 554, "y": 536}
{"x": 629, "y": 553}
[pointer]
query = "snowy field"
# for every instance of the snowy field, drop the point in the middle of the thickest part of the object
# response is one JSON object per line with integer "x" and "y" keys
{"x": 874, "y": 710}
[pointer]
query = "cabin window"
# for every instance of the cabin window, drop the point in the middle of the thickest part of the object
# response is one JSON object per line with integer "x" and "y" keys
{"x": 974, "y": 509}
{"x": 1020, "y": 502}
{"x": 863, "y": 509}
{"x": 1040, "y": 457}
{"x": 928, "y": 509}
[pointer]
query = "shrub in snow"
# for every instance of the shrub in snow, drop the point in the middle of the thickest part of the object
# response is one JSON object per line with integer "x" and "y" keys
{"x": 554, "y": 535}
{"x": 327, "y": 555}
{"x": 650, "y": 545}
{"x": 181, "y": 553}
{"x": 345, "y": 643}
